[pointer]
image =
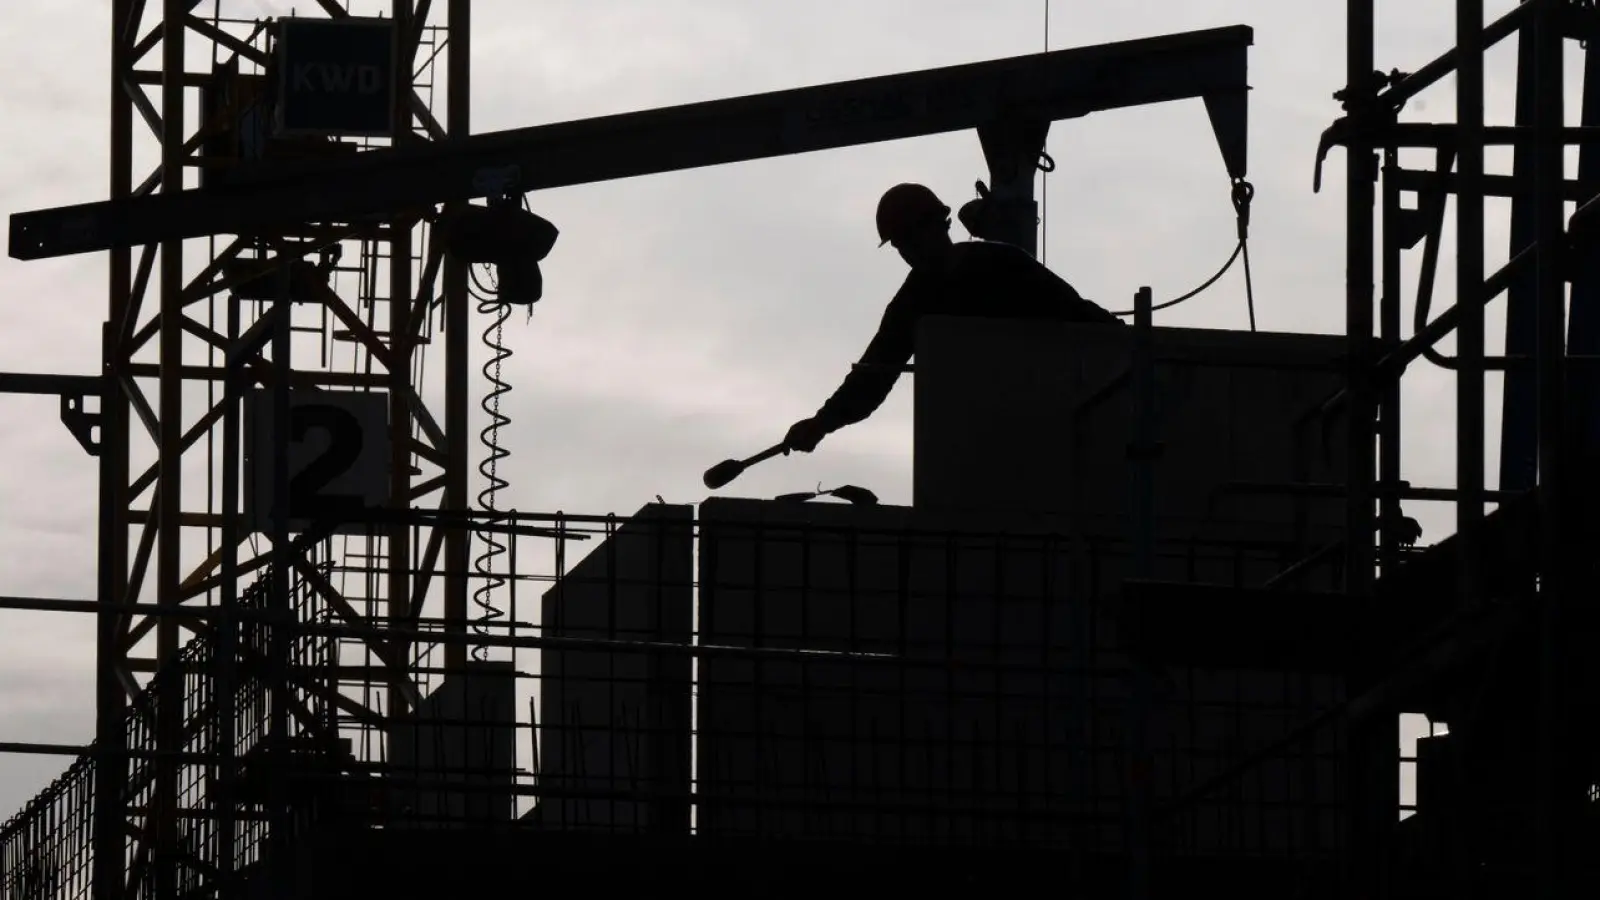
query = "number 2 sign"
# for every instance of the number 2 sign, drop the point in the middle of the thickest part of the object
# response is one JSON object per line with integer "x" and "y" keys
{"x": 338, "y": 453}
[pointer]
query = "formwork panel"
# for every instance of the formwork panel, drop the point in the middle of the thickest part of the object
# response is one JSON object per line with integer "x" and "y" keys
{"x": 1004, "y": 714}
{"x": 614, "y": 727}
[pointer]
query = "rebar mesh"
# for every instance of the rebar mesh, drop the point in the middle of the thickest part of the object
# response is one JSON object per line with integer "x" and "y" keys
{"x": 762, "y": 671}
{"x": 46, "y": 848}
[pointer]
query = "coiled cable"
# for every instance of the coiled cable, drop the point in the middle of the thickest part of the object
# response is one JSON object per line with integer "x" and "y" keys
{"x": 489, "y": 468}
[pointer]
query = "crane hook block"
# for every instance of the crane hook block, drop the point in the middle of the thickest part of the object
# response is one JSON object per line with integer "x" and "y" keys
{"x": 513, "y": 239}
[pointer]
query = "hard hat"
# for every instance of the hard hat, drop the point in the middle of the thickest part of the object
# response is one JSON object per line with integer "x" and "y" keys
{"x": 905, "y": 207}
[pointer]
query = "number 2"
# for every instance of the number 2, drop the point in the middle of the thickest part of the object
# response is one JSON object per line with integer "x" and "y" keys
{"x": 345, "y": 441}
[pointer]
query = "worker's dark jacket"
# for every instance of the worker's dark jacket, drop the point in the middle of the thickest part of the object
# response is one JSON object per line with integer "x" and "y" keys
{"x": 988, "y": 280}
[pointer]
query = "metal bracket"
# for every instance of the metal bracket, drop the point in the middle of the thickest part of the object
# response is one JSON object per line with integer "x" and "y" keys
{"x": 1411, "y": 226}
{"x": 1005, "y": 209}
{"x": 1230, "y": 124}
{"x": 497, "y": 182}
{"x": 83, "y": 424}
{"x": 74, "y": 391}
{"x": 1368, "y": 106}
{"x": 1579, "y": 21}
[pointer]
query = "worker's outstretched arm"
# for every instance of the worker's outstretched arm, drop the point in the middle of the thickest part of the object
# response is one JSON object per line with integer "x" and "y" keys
{"x": 1074, "y": 308}
{"x": 872, "y": 378}
{"x": 868, "y": 383}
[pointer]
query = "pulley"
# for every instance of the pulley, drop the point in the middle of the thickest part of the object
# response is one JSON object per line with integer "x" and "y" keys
{"x": 506, "y": 235}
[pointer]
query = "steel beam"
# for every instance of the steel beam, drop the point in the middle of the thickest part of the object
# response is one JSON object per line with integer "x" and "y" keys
{"x": 1583, "y": 325}
{"x": 1469, "y": 281}
{"x": 1063, "y": 84}
{"x": 1519, "y": 417}
{"x": 1389, "y": 469}
{"x": 1361, "y": 200}
{"x": 1559, "y": 794}
{"x": 108, "y": 877}
{"x": 55, "y": 385}
{"x": 401, "y": 344}
{"x": 1447, "y": 62}
{"x": 1367, "y": 787}
{"x": 224, "y": 795}
{"x": 1393, "y": 364}
{"x": 1470, "y": 374}
{"x": 457, "y": 349}
{"x": 1424, "y": 181}
{"x": 163, "y": 840}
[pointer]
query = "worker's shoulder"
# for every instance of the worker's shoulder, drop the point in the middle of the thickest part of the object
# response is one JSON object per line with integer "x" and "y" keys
{"x": 995, "y": 260}
{"x": 993, "y": 252}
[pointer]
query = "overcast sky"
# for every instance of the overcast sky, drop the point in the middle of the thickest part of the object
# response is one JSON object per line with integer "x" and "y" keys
{"x": 694, "y": 316}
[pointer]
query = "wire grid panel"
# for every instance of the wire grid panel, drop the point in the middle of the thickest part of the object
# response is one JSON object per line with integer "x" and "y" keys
{"x": 1005, "y": 715}
{"x": 46, "y": 850}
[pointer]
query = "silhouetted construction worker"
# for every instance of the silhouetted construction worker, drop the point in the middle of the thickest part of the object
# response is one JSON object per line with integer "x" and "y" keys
{"x": 975, "y": 278}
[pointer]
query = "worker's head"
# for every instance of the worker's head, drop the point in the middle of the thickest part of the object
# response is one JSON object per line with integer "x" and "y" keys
{"x": 916, "y": 222}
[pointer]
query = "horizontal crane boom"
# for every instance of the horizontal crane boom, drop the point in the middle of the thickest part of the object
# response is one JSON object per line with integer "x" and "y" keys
{"x": 1210, "y": 64}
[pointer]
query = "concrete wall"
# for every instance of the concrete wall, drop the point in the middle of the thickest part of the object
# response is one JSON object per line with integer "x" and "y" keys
{"x": 962, "y": 751}
{"x": 464, "y": 733}
{"x": 614, "y": 727}
{"x": 996, "y": 428}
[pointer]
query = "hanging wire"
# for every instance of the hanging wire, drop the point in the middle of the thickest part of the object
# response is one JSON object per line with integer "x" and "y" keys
{"x": 1243, "y": 193}
{"x": 1249, "y": 282}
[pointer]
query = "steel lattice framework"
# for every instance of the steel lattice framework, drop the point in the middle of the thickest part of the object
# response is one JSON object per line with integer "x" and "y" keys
{"x": 171, "y": 534}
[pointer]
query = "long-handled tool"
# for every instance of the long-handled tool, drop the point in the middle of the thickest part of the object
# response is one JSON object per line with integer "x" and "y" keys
{"x": 729, "y": 469}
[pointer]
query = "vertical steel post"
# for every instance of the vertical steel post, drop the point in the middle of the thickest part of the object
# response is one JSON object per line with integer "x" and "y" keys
{"x": 1469, "y": 290}
{"x": 169, "y": 497}
{"x": 1013, "y": 148}
{"x": 280, "y": 609}
{"x": 111, "y": 768}
{"x": 225, "y": 802}
{"x": 1556, "y": 792}
{"x": 1390, "y": 333}
{"x": 1519, "y": 404}
{"x": 1470, "y": 376}
{"x": 1144, "y": 435}
{"x": 1372, "y": 747}
{"x": 1143, "y": 448}
{"x": 1583, "y": 326}
{"x": 400, "y": 346}
{"x": 1359, "y": 236}
{"x": 1583, "y": 380}
{"x": 457, "y": 344}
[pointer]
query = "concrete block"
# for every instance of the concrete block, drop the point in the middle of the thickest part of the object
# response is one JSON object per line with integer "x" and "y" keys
{"x": 614, "y": 727}
{"x": 1006, "y": 718}
{"x": 1007, "y": 419}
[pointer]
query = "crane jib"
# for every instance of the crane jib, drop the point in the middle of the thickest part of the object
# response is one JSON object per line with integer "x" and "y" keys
{"x": 1062, "y": 84}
